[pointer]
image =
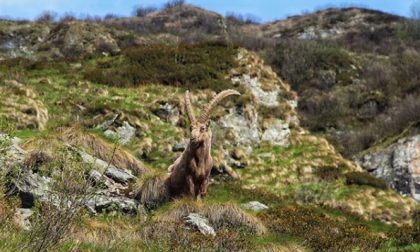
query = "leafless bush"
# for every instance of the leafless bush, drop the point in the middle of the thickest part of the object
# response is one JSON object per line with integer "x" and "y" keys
{"x": 61, "y": 206}
{"x": 93, "y": 19}
{"x": 173, "y": 4}
{"x": 239, "y": 19}
{"x": 141, "y": 11}
{"x": 110, "y": 16}
{"x": 394, "y": 121}
{"x": 67, "y": 17}
{"x": 47, "y": 17}
{"x": 380, "y": 75}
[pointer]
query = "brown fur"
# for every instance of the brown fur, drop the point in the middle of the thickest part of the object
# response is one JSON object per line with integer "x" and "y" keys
{"x": 153, "y": 193}
{"x": 191, "y": 171}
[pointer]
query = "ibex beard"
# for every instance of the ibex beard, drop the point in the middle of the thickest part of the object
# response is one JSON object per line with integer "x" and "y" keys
{"x": 190, "y": 173}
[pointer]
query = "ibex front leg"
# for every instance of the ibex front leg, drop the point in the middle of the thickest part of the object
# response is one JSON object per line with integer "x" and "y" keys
{"x": 203, "y": 187}
{"x": 191, "y": 186}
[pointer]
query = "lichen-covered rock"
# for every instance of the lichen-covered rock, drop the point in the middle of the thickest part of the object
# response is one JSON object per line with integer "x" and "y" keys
{"x": 277, "y": 133}
{"x": 266, "y": 98}
{"x": 398, "y": 165}
{"x": 201, "y": 223}
{"x": 124, "y": 134}
{"x": 22, "y": 216}
{"x": 11, "y": 155}
{"x": 168, "y": 113}
{"x": 266, "y": 91}
{"x": 255, "y": 206}
{"x": 245, "y": 128}
{"x": 100, "y": 203}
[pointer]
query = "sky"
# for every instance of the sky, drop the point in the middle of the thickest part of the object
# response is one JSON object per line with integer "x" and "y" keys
{"x": 264, "y": 10}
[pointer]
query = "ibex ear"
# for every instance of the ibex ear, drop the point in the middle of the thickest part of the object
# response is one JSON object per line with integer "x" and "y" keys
{"x": 207, "y": 124}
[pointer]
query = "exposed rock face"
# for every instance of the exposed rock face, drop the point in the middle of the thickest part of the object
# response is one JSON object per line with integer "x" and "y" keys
{"x": 266, "y": 98}
{"x": 277, "y": 133}
{"x": 119, "y": 175}
{"x": 124, "y": 133}
{"x": 264, "y": 87}
{"x": 168, "y": 112}
{"x": 398, "y": 164}
{"x": 31, "y": 185}
{"x": 22, "y": 216}
{"x": 11, "y": 154}
{"x": 245, "y": 129}
{"x": 327, "y": 24}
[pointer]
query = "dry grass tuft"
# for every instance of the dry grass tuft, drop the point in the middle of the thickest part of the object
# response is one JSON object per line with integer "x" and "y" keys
{"x": 101, "y": 149}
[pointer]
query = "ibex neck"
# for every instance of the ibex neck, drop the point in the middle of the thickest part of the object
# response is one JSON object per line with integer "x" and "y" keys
{"x": 202, "y": 151}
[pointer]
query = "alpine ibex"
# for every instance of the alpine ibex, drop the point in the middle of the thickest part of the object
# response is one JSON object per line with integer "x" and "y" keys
{"x": 191, "y": 171}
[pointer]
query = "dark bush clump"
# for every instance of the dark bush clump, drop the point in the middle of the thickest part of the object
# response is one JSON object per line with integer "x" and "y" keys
{"x": 319, "y": 231}
{"x": 143, "y": 11}
{"x": 328, "y": 173}
{"x": 195, "y": 66}
{"x": 303, "y": 62}
{"x": 407, "y": 235}
{"x": 364, "y": 178}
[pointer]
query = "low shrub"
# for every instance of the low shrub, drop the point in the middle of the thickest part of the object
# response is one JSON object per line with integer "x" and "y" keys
{"x": 364, "y": 178}
{"x": 176, "y": 236}
{"x": 193, "y": 66}
{"x": 328, "y": 173}
{"x": 301, "y": 63}
{"x": 319, "y": 231}
{"x": 407, "y": 235}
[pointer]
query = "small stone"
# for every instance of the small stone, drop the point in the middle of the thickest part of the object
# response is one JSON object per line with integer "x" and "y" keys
{"x": 168, "y": 113}
{"x": 255, "y": 206}
{"x": 124, "y": 134}
{"x": 22, "y": 216}
{"x": 201, "y": 223}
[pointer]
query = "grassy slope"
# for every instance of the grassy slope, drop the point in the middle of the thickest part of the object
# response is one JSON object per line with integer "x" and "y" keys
{"x": 277, "y": 176}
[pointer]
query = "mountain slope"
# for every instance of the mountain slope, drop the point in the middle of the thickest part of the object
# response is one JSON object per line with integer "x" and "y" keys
{"x": 98, "y": 125}
{"x": 258, "y": 141}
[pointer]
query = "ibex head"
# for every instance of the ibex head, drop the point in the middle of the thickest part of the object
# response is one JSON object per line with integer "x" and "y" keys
{"x": 200, "y": 129}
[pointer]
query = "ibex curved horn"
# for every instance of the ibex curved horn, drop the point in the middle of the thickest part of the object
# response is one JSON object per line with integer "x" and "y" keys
{"x": 220, "y": 96}
{"x": 188, "y": 106}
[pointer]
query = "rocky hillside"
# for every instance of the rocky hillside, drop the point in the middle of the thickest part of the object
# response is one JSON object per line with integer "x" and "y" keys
{"x": 327, "y": 23}
{"x": 88, "y": 135}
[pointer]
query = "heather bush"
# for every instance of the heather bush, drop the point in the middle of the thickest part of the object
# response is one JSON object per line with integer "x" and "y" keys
{"x": 328, "y": 173}
{"x": 364, "y": 178}
{"x": 143, "y": 11}
{"x": 195, "y": 66}
{"x": 306, "y": 223}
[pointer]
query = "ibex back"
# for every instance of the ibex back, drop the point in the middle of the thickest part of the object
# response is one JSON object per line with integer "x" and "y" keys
{"x": 191, "y": 171}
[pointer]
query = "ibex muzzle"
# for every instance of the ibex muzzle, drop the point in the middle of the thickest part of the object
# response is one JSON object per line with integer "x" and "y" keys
{"x": 191, "y": 171}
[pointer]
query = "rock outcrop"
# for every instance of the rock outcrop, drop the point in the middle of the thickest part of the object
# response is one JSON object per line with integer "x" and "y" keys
{"x": 263, "y": 90}
{"x": 109, "y": 184}
{"x": 398, "y": 165}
